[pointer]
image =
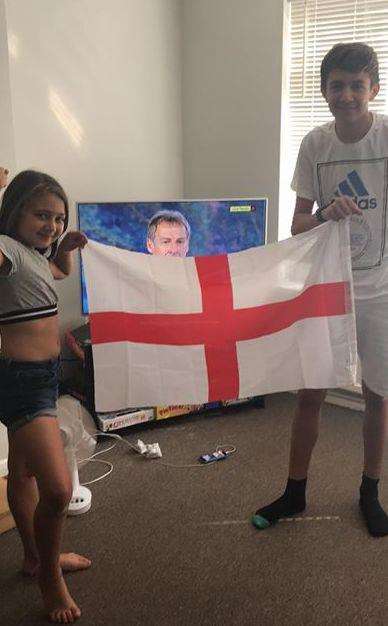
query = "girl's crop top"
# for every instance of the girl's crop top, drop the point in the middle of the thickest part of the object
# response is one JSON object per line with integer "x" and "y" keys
{"x": 27, "y": 290}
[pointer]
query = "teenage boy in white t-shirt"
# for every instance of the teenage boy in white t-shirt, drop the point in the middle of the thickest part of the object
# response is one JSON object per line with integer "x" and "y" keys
{"x": 343, "y": 167}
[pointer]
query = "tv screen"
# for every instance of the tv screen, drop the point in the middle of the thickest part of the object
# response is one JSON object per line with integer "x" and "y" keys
{"x": 217, "y": 226}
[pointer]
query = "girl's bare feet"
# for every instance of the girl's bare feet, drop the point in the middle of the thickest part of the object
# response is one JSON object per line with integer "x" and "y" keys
{"x": 72, "y": 562}
{"x": 60, "y": 606}
{"x": 68, "y": 561}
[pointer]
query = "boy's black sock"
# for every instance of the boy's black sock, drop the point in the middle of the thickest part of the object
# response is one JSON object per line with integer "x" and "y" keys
{"x": 293, "y": 501}
{"x": 374, "y": 515}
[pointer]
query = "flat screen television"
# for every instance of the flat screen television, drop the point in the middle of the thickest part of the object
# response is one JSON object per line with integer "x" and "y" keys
{"x": 217, "y": 226}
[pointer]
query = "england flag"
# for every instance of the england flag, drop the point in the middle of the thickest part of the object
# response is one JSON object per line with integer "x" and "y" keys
{"x": 167, "y": 330}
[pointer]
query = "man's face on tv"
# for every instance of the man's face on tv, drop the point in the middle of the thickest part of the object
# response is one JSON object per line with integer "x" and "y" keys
{"x": 170, "y": 240}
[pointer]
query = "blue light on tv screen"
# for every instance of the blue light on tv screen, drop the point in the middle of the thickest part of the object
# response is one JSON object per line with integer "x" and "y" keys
{"x": 217, "y": 226}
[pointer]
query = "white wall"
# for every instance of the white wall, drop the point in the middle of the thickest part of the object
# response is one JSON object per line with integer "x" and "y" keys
{"x": 232, "y": 85}
{"x": 91, "y": 93}
{"x": 7, "y": 145}
{"x": 96, "y": 100}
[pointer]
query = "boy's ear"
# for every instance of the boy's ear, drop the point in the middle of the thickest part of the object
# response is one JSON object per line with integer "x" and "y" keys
{"x": 374, "y": 90}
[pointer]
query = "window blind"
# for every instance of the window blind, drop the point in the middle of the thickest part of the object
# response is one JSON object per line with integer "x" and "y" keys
{"x": 314, "y": 27}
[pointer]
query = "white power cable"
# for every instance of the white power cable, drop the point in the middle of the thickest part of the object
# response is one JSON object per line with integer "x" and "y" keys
{"x": 140, "y": 449}
{"x": 95, "y": 480}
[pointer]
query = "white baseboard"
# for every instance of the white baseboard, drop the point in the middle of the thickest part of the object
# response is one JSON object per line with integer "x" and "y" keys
{"x": 349, "y": 398}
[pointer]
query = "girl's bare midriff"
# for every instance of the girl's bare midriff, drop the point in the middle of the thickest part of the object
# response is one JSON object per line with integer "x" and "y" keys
{"x": 36, "y": 340}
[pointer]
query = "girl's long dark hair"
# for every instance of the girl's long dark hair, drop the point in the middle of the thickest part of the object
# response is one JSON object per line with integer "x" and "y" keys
{"x": 24, "y": 187}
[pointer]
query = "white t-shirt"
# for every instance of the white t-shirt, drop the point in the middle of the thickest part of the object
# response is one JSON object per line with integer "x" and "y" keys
{"x": 327, "y": 167}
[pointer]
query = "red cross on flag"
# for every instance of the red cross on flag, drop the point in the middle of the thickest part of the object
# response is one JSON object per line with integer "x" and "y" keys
{"x": 167, "y": 330}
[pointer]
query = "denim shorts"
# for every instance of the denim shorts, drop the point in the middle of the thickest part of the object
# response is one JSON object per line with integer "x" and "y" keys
{"x": 28, "y": 389}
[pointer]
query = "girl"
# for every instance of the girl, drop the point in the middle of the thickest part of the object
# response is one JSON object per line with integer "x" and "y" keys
{"x": 34, "y": 214}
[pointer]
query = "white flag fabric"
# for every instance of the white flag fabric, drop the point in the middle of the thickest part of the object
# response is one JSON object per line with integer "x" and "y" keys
{"x": 274, "y": 318}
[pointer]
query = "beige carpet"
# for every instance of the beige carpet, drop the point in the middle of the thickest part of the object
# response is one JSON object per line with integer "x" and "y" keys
{"x": 174, "y": 546}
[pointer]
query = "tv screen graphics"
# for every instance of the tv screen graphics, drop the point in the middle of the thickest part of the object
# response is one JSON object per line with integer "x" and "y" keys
{"x": 217, "y": 226}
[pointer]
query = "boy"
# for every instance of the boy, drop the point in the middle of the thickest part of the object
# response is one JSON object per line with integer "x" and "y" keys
{"x": 342, "y": 166}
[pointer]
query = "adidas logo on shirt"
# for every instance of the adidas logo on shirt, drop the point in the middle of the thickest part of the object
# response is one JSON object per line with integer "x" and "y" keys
{"x": 353, "y": 187}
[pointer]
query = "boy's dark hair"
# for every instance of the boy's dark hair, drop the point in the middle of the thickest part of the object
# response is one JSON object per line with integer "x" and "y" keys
{"x": 350, "y": 57}
{"x": 171, "y": 217}
{"x": 22, "y": 189}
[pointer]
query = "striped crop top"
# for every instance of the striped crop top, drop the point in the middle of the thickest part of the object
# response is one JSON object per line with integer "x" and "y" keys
{"x": 27, "y": 290}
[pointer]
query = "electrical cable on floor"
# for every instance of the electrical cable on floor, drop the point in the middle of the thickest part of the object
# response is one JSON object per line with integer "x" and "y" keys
{"x": 94, "y": 460}
{"x": 228, "y": 450}
{"x": 220, "y": 452}
{"x": 110, "y": 465}
{"x": 95, "y": 480}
